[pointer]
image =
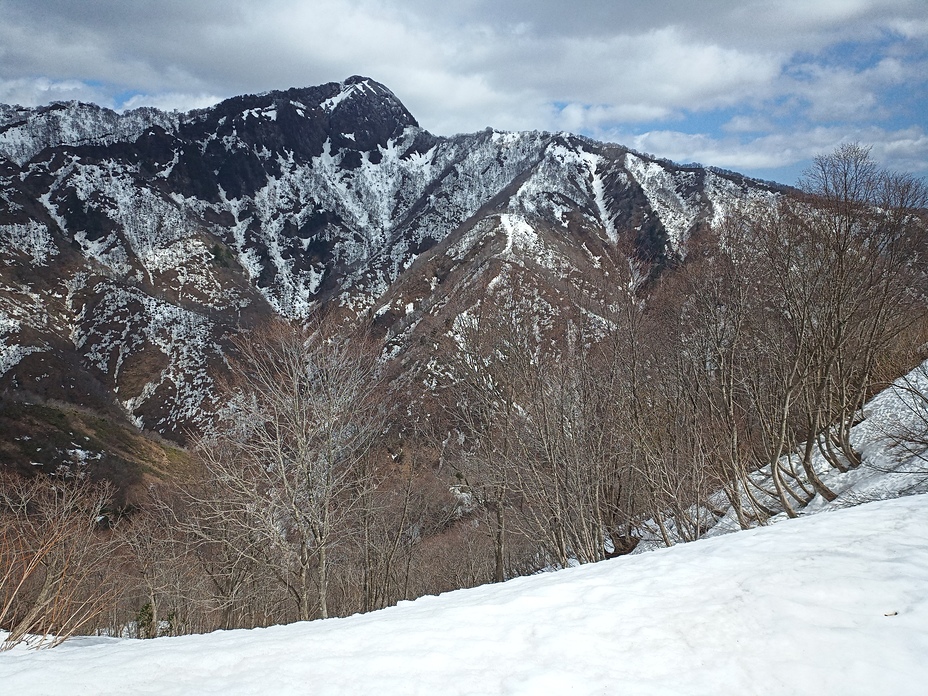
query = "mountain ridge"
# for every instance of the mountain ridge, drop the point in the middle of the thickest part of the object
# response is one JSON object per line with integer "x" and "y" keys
{"x": 133, "y": 252}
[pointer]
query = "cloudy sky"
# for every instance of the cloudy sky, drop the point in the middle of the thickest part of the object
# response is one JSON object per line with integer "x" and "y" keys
{"x": 758, "y": 86}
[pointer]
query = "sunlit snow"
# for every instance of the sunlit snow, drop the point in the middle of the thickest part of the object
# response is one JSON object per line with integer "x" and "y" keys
{"x": 830, "y": 604}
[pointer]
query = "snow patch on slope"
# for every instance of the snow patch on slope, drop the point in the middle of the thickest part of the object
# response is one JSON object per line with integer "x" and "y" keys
{"x": 123, "y": 321}
{"x": 725, "y": 196}
{"x": 32, "y": 239}
{"x": 594, "y": 163}
{"x": 661, "y": 187}
{"x": 11, "y": 352}
{"x": 524, "y": 243}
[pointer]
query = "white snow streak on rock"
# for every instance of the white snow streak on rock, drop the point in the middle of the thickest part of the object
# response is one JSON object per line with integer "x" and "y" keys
{"x": 660, "y": 187}
{"x": 593, "y": 162}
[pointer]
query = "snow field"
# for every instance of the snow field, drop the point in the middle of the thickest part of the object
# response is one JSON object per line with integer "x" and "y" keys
{"x": 829, "y": 604}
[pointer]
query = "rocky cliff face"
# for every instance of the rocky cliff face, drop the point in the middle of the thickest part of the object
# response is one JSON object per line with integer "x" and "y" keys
{"x": 132, "y": 244}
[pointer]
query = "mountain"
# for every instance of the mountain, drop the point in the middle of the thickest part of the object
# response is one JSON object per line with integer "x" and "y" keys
{"x": 133, "y": 245}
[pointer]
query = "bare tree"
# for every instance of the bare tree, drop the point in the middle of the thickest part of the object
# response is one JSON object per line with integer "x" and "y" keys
{"x": 228, "y": 549}
{"x": 718, "y": 306}
{"x": 483, "y": 416}
{"x": 55, "y": 557}
{"x": 160, "y": 567}
{"x": 538, "y": 408}
{"x": 288, "y": 454}
{"x": 867, "y": 227}
{"x": 800, "y": 303}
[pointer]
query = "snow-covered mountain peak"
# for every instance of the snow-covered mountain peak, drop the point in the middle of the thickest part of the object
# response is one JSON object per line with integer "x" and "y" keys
{"x": 359, "y": 87}
{"x": 177, "y": 224}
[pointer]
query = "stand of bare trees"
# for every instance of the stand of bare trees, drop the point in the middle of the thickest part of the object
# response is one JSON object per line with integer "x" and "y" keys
{"x": 289, "y": 456}
{"x": 758, "y": 353}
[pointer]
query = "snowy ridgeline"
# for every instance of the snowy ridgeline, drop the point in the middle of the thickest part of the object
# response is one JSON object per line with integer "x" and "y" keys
{"x": 25, "y": 132}
{"x": 274, "y": 203}
{"x": 829, "y": 604}
{"x": 826, "y": 604}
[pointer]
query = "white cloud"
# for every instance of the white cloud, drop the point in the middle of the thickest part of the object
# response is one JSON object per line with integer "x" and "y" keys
{"x": 661, "y": 69}
{"x": 591, "y": 66}
{"x": 754, "y": 123}
{"x": 902, "y": 150}
{"x": 841, "y": 93}
{"x": 577, "y": 118}
{"x": 38, "y": 91}
{"x": 170, "y": 101}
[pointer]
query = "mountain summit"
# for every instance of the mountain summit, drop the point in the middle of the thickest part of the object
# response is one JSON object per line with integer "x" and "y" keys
{"x": 133, "y": 245}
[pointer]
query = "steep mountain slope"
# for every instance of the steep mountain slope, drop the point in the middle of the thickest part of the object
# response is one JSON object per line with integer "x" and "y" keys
{"x": 133, "y": 245}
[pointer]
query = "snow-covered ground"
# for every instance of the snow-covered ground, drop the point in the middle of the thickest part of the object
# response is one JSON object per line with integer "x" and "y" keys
{"x": 828, "y": 604}
{"x": 833, "y": 603}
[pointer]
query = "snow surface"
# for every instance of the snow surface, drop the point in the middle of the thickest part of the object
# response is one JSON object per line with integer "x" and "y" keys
{"x": 828, "y": 604}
